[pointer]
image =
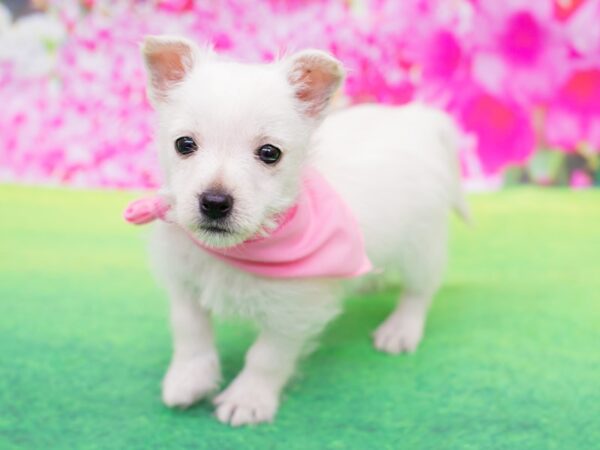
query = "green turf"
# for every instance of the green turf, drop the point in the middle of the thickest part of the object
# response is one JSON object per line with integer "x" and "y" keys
{"x": 511, "y": 357}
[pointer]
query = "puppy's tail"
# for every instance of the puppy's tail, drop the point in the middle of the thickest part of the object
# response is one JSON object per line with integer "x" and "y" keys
{"x": 450, "y": 137}
{"x": 461, "y": 207}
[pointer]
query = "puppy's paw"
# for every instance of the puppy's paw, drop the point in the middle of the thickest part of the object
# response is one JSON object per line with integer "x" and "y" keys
{"x": 188, "y": 381}
{"x": 399, "y": 333}
{"x": 248, "y": 400}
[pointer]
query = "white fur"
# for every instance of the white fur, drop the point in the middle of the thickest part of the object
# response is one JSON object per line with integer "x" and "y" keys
{"x": 396, "y": 168}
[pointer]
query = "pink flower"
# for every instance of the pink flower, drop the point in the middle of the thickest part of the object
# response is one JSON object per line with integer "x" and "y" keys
{"x": 581, "y": 92}
{"x": 573, "y": 117}
{"x": 72, "y": 81}
{"x": 583, "y": 32}
{"x": 520, "y": 50}
{"x": 564, "y": 9}
{"x": 175, "y": 5}
{"x": 438, "y": 51}
{"x": 443, "y": 65}
{"x": 580, "y": 179}
{"x": 503, "y": 131}
{"x": 443, "y": 56}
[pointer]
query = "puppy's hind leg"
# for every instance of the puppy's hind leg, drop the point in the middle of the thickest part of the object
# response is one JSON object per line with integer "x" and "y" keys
{"x": 422, "y": 264}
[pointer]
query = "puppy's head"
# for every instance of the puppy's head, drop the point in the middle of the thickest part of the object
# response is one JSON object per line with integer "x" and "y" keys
{"x": 233, "y": 137}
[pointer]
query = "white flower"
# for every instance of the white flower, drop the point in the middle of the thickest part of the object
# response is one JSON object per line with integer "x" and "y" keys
{"x": 30, "y": 43}
{"x": 5, "y": 19}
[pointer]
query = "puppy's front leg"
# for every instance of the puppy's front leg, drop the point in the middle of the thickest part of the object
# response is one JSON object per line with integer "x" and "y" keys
{"x": 194, "y": 371}
{"x": 253, "y": 396}
{"x": 291, "y": 315}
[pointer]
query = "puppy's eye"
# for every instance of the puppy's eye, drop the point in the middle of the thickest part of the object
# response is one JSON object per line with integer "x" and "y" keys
{"x": 269, "y": 154}
{"x": 185, "y": 145}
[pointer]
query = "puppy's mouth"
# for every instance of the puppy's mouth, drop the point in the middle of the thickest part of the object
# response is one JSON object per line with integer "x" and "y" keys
{"x": 216, "y": 229}
{"x": 218, "y": 234}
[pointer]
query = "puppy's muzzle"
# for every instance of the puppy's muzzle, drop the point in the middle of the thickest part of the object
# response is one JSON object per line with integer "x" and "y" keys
{"x": 215, "y": 205}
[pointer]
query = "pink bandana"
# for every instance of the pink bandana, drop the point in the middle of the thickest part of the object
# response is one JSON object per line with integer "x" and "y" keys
{"x": 317, "y": 237}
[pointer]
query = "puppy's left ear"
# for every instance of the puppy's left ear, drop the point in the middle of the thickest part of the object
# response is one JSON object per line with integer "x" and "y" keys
{"x": 315, "y": 76}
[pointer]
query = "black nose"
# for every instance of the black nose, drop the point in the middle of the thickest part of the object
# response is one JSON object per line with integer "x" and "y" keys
{"x": 215, "y": 205}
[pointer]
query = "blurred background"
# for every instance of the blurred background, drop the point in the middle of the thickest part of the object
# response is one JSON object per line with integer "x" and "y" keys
{"x": 521, "y": 77}
{"x": 510, "y": 358}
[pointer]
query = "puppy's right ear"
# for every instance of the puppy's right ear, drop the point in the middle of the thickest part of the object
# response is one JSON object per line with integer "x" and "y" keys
{"x": 169, "y": 59}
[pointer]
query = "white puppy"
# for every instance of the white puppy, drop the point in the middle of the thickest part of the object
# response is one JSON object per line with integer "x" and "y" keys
{"x": 396, "y": 168}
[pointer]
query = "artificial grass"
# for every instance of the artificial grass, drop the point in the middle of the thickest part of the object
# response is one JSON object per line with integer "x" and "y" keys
{"x": 511, "y": 357}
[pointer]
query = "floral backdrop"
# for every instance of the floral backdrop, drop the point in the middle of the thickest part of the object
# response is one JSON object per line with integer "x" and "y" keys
{"x": 522, "y": 78}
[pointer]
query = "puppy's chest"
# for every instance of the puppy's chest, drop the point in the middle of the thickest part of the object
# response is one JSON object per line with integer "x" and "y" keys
{"x": 228, "y": 291}
{"x": 221, "y": 288}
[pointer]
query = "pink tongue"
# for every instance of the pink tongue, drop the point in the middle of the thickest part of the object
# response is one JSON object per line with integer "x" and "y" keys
{"x": 145, "y": 210}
